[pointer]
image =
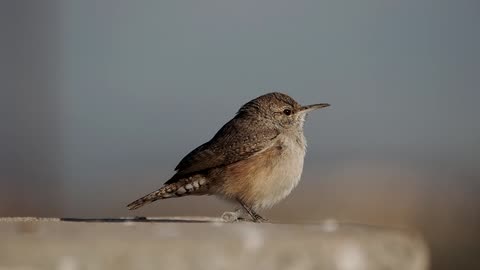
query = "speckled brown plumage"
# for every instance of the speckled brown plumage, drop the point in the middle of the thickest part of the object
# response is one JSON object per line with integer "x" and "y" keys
{"x": 256, "y": 158}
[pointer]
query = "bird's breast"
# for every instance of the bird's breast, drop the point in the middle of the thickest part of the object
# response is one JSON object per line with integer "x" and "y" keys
{"x": 285, "y": 175}
{"x": 268, "y": 177}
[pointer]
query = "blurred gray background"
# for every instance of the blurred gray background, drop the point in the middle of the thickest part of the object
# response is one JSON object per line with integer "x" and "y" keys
{"x": 99, "y": 100}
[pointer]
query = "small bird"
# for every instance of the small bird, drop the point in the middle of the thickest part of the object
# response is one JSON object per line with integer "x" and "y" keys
{"x": 256, "y": 159}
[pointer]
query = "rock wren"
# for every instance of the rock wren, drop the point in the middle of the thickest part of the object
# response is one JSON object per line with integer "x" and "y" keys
{"x": 255, "y": 159}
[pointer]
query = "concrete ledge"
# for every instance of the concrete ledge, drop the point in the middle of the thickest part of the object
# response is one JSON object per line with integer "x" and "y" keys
{"x": 203, "y": 243}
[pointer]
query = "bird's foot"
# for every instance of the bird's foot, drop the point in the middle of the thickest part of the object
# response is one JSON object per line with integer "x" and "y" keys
{"x": 259, "y": 219}
{"x": 232, "y": 216}
{"x": 255, "y": 217}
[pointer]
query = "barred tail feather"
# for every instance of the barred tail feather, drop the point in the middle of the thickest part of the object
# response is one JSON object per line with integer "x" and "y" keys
{"x": 149, "y": 198}
{"x": 194, "y": 185}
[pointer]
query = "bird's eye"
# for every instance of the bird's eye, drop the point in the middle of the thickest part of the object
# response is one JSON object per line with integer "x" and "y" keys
{"x": 287, "y": 111}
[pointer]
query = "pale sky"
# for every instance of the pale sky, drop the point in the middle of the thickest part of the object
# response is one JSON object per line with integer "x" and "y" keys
{"x": 150, "y": 80}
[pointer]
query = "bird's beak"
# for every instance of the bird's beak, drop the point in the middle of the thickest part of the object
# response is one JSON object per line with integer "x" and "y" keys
{"x": 309, "y": 108}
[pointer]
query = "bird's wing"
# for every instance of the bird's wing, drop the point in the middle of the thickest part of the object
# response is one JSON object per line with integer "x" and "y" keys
{"x": 235, "y": 141}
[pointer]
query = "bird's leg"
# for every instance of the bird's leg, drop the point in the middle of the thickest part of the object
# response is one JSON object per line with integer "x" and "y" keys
{"x": 255, "y": 217}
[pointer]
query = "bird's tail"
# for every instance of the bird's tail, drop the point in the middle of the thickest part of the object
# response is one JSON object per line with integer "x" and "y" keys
{"x": 194, "y": 185}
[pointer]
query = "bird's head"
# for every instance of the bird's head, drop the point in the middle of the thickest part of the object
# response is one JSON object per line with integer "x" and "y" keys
{"x": 279, "y": 109}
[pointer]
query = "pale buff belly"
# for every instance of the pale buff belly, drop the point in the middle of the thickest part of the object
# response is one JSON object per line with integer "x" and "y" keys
{"x": 267, "y": 178}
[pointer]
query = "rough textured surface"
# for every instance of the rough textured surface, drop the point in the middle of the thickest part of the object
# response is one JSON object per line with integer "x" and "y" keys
{"x": 203, "y": 243}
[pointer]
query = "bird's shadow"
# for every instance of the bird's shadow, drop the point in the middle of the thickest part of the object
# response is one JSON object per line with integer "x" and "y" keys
{"x": 143, "y": 220}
